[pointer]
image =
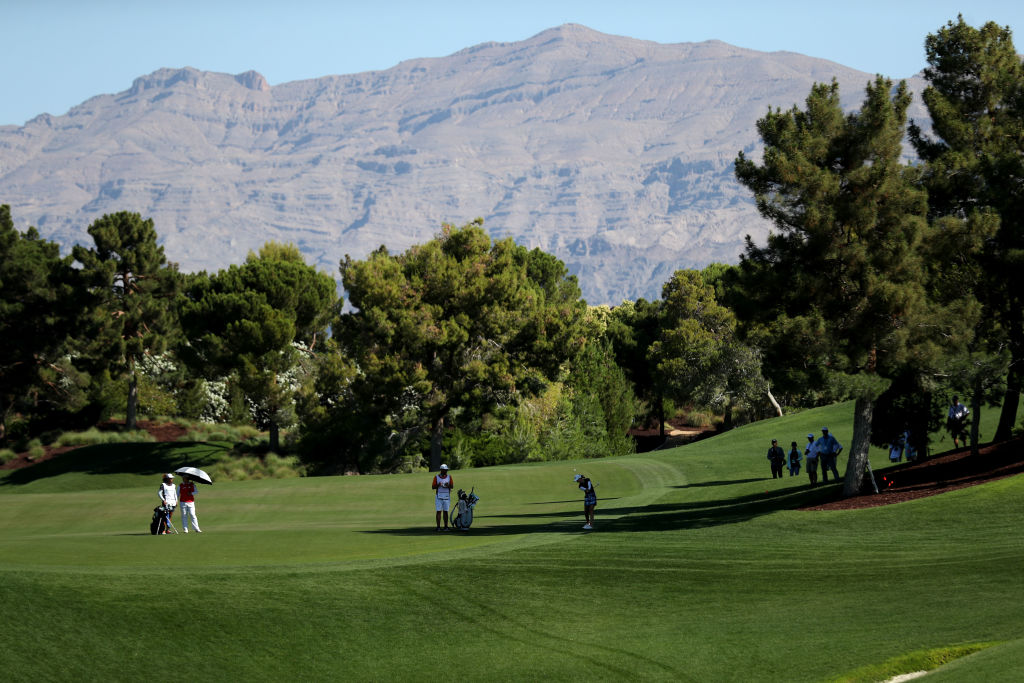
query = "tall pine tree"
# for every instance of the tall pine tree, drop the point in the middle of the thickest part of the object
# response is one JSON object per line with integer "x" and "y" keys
{"x": 841, "y": 269}
{"x": 134, "y": 288}
{"x": 976, "y": 162}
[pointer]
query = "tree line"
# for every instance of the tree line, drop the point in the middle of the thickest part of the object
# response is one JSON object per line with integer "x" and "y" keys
{"x": 887, "y": 282}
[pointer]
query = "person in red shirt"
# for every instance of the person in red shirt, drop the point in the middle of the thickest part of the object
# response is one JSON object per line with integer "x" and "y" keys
{"x": 187, "y": 499}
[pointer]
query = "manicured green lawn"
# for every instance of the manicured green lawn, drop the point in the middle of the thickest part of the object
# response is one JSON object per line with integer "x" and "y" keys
{"x": 701, "y": 568}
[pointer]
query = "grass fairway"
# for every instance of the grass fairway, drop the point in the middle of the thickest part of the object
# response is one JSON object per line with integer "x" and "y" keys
{"x": 701, "y": 568}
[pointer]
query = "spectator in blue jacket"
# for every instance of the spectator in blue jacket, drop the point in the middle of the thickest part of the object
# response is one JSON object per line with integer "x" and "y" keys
{"x": 828, "y": 452}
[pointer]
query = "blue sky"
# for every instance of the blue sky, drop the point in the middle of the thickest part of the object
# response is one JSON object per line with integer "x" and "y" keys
{"x": 58, "y": 53}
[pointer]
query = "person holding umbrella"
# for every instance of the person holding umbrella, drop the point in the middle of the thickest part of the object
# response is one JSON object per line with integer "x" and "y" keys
{"x": 187, "y": 496}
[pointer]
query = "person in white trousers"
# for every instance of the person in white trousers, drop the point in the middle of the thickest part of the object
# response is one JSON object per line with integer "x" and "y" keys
{"x": 169, "y": 499}
{"x": 187, "y": 497}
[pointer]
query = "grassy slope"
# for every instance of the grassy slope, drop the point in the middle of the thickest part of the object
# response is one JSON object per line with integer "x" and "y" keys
{"x": 701, "y": 569}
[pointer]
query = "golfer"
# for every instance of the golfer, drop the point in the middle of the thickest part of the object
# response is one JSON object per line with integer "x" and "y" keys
{"x": 169, "y": 499}
{"x": 187, "y": 496}
{"x": 442, "y": 495}
{"x": 589, "y": 499}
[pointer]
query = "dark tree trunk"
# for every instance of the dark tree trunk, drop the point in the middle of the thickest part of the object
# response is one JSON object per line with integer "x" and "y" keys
{"x": 727, "y": 418}
{"x": 131, "y": 417}
{"x": 436, "y": 444}
{"x": 274, "y": 435}
{"x": 661, "y": 417}
{"x": 975, "y": 416}
{"x": 1011, "y": 399}
{"x": 857, "y": 465}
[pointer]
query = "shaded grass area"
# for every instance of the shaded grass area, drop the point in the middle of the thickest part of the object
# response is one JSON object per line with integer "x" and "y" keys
{"x": 111, "y": 465}
{"x": 701, "y": 569}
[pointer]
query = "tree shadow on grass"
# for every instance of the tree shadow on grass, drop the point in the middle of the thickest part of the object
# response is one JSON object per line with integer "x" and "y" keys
{"x": 723, "y": 482}
{"x": 562, "y": 502}
{"x": 653, "y": 517}
{"x": 120, "y": 458}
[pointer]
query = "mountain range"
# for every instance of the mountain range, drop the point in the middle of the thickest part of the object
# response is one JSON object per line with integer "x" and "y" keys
{"x": 614, "y": 154}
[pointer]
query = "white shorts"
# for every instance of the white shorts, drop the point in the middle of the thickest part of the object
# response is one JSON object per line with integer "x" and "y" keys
{"x": 442, "y": 504}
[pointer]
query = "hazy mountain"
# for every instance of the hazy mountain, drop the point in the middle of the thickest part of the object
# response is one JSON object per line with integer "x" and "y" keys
{"x": 614, "y": 154}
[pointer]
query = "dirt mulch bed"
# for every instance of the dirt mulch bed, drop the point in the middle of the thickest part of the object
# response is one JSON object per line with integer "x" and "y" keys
{"x": 946, "y": 472}
{"x": 161, "y": 431}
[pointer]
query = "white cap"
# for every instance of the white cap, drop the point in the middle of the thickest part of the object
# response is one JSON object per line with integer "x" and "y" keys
{"x": 444, "y": 467}
{"x": 168, "y": 476}
{"x": 577, "y": 477}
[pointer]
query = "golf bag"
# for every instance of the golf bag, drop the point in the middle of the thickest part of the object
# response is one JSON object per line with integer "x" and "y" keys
{"x": 464, "y": 515}
{"x": 159, "y": 522}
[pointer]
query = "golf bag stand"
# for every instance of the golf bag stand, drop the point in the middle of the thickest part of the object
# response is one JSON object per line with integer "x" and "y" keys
{"x": 464, "y": 517}
{"x": 161, "y": 520}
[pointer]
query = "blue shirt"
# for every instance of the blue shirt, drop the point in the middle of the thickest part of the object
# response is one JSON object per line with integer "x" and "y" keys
{"x": 827, "y": 445}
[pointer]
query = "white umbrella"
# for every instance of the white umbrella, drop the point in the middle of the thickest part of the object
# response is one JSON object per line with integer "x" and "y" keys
{"x": 194, "y": 473}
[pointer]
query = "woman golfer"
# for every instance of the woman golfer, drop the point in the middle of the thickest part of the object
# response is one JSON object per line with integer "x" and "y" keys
{"x": 589, "y": 499}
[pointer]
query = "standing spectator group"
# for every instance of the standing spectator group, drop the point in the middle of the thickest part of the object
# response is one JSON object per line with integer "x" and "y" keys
{"x": 824, "y": 450}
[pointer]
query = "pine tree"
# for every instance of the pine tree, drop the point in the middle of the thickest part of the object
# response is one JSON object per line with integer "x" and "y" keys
{"x": 246, "y": 321}
{"x": 38, "y": 311}
{"x": 459, "y": 324}
{"x": 134, "y": 288}
{"x": 976, "y": 162}
{"x": 841, "y": 271}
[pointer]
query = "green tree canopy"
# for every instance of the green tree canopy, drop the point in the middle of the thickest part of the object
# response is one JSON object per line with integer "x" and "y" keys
{"x": 975, "y": 163}
{"x": 39, "y": 308}
{"x": 248, "y": 320}
{"x": 697, "y": 354}
{"x": 134, "y": 287}
{"x": 840, "y": 277}
{"x": 457, "y": 324}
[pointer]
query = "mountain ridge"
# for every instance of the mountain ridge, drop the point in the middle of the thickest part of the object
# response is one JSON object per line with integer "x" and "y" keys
{"x": 613, "y": 153}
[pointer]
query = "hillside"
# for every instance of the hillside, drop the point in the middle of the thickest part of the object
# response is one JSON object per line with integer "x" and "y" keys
{"x": 615, "y": 154}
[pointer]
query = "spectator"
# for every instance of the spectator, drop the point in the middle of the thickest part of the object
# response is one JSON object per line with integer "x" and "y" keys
{"x": 956, "y": 421}
{"x": 794, "y": 459}
{"x": 811, "y": 456}
{"x": 828, "y": 453}
{"x": 776, "y": 457}
{"x": 897, "y": 446}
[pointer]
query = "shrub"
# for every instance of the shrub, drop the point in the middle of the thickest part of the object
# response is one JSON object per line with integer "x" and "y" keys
{"x": 6, "y": 455}
{"x": 204, "y": 431}
{"x": 93, "y": 436}
{"x": 241, "y": 467}
{"x": 36, "y": 451}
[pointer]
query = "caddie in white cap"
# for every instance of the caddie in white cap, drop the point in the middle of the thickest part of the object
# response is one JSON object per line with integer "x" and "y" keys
{"x": 442, "y": 486}
{"x": 168, "y": 499}
{"x": 811, "y": 459}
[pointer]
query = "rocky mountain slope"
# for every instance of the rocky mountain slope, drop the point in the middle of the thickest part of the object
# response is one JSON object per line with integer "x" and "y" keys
{"x": 614, "y": 154}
